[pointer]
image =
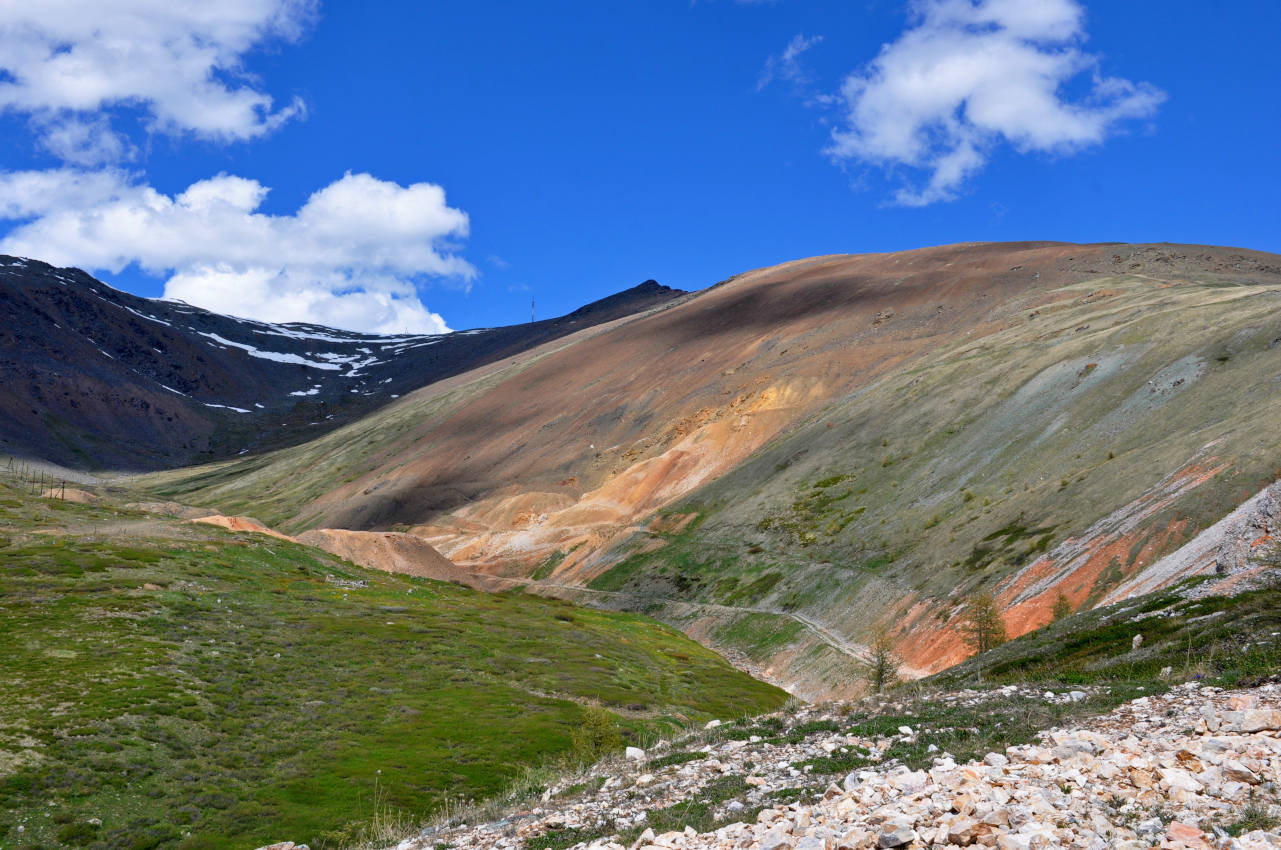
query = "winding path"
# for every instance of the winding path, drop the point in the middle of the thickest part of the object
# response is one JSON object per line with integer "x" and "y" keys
{"x": 856, "y": 652}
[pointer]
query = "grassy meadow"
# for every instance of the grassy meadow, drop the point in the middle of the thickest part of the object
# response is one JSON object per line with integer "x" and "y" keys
{"x": 171, "y": 685}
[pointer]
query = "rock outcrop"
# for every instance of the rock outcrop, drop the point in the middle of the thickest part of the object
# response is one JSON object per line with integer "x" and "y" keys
{"x": 1236, "y": 544}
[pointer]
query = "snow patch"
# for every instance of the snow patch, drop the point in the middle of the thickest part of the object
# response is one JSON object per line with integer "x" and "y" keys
{"x": 277, "y": 356}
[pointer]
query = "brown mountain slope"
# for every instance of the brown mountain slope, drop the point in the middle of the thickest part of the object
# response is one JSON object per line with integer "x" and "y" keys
{"x": 925, "y": 376}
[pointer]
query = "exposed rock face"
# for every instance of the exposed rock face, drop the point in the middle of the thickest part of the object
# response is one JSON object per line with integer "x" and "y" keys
{"x": 1236, "y": 544}
{"x": 1172, "y": 771}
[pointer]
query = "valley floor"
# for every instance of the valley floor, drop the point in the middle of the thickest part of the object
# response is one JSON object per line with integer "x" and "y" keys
{"x": 1192, "y": 767}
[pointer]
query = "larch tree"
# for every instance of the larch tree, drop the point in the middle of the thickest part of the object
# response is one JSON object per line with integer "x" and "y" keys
{"x": 981, "y": 623}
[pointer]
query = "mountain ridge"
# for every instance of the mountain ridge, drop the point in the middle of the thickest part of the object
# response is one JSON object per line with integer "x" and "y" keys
{"x": 105, "y": 379}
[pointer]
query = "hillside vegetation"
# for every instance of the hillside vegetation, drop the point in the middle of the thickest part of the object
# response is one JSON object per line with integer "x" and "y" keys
{"x": 821, "y": 449}
{"x": 175, "y": 685}
{"x": 1085, "y": 441}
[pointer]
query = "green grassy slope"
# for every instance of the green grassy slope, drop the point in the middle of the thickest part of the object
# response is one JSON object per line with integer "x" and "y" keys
{"x": 191, "y": 687}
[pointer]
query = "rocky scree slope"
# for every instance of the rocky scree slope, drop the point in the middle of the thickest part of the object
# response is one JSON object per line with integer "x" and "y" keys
{"x": 96, "y": 378}
{"x": 787, "y": 461}
{"x": 1194, "y": 767}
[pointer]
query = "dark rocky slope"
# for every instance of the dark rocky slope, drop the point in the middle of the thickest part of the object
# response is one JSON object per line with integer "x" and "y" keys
{"x": 95, "y": 378}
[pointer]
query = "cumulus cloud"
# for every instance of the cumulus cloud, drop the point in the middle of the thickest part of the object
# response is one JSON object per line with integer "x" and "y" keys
{"x": 68, "y": 63}
{"x": 352, "y": 256}
{"x": 971, "y": 74}
{"x": 787, "y": 65}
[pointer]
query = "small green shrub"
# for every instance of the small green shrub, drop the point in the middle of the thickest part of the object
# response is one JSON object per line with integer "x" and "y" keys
{"x": 597, "y": 735}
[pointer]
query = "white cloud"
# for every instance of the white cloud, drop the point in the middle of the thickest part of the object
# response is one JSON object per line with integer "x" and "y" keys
{"x": 973, "y": 73}
{"x": 350, "y": 257}
{"x": 787, "y": 65}
{"x": 83, "y": 141}
{"x": 68, "y": 63}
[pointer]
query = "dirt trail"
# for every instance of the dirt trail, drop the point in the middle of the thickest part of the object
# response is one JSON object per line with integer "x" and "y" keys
{"x": 855, "y": 651}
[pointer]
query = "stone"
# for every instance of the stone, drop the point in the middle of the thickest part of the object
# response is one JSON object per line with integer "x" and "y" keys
{"x": 1252, "y": 720}
{"x": 964, "y": 831}
{"x": 855, "y": 839}
{"x": 895, "y": 836}
{"x": 635, "y": 753}
{"x": 1091, "y": 786}
{"x": 907, "y": 780}
{"x": 776, "y": 839}
{"x": 1177, "y": 778}
{"x": 1012, "y": 841}
{"x": 1189, "y": 835}
{"x": 1238, "y": 772}
{"x": 712, "y": 724}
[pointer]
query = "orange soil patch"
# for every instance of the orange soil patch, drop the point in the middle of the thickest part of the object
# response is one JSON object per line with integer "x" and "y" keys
{"x": 516, "y": 535}
{"x": 1081, "y": 583}
{"x": 1029, "y": 596}
{"x": 927, "y": 643}
{"x": 241, "y": 523}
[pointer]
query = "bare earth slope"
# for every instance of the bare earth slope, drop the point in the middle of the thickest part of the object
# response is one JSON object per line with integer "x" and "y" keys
{"x": 833, "y": 444}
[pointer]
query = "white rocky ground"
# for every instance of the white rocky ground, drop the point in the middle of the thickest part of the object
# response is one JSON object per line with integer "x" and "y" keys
{"x": 1164, "y": 771}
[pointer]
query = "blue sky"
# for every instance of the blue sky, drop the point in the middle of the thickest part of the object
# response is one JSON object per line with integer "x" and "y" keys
{"x": 391, "y": 166}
